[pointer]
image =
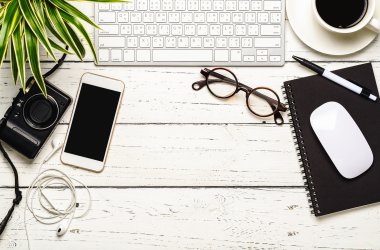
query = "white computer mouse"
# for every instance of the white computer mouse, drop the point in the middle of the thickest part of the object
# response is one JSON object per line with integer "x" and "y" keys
{"x": 342, "y": 139}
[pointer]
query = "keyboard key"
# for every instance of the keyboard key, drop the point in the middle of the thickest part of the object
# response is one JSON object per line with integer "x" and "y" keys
{"x": 155, "y": 5}
{"x": 103, "y": 6}
{"x": 202, "y": 30}
{"x": 136, "y": 17}
{"x": 221, "y": 42}
{"x": 170, "y": 42}
{"x": 167, "y": 5}
{"x": 275, "y": 58}
{"x": 196, "y": 42}
{"x": 109, "y": 29}
{"x": 249, "y": 58}
{"x": 193, "y": 5}
{"x": 161, "y": 17}
{"x": 116, "y": 55}
{"x": 123, "y": 17}
{"x": 218, "y": 5}
{"x": 177, "y": 29}
{"x": 180, "y": 5}
{"x": 234, "y": 42}
{"x": 221, "y": 55}
{"x": 206, "y": 5}
{"x": 126, "y": 29}
{"x": 262, "y": 58}
{"x": 148, "y": 17}
{"x": 143, "y": 55}
{"x": 225, "y": 17}
{"x": 272, "y": 5}
{"x": 116, "y": 6}
{"x": 236, "y": 55}
{"x": 190, "y": 30}
{"x": 250, "y": 17}
{"x": 256, "y": 5}
{"x": 132, "y": 42}
{"x": 145, "y": 42}
{"x": 275, "y": 17}
{"x": 142, "y": 4}
{"x": 182, "y": 55}
{"x": 267, "y": 42}
{"x": 244, "y": 5}
{"x": 253, "y": 30}
{"x": 183, "y": 42}
{"x": 111, "y": 42}
{"x": 247, "y": 42}
{"x": 104, "y": 55}
{"x": 263, "y": 17}
{"x": 209, "y": 42}
{"x": 129, "y": 55}
{"x": 270, "y": 30}
{"x": 231, "y": 5}
{"x": 107, "y": 17}
{"x": 158, "y": 42}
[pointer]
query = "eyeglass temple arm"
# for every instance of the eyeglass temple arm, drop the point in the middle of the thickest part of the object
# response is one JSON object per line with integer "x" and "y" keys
{"x": 281, "y": 106}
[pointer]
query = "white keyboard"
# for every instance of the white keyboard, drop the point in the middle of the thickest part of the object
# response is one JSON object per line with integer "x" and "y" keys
{"x": 191, "y": 32}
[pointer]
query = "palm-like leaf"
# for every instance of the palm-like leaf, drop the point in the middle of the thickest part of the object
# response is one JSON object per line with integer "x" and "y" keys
{"x": 24, "y": 25}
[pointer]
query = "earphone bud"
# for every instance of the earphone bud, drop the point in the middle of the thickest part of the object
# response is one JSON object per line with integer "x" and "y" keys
{"x": 64, "y": 226}
{"x": 62, "y": 229}
{"x": 57, "y": 144}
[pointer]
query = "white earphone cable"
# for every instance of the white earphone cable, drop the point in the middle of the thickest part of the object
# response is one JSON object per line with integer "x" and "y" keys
{"x": 53, "y": 178}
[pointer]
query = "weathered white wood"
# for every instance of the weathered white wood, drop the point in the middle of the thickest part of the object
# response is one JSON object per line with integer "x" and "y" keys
{"x": 169, "y": 135}
{"x": 183, "y": 155}
{"x": 164, "y": 95}
{"x": 199, "y": 219}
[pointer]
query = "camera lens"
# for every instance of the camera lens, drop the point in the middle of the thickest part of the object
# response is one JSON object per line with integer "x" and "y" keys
{"x": 40, "y": 112}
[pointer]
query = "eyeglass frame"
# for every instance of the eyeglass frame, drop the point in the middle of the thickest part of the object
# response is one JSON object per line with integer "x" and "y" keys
{"x": 275, "y": 105}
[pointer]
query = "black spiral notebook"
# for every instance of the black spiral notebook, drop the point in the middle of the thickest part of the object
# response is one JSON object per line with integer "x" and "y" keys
{"x": 330, "y": 192}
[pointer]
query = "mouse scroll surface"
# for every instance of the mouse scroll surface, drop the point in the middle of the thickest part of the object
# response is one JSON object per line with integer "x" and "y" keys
{"x": 342, "y": 139}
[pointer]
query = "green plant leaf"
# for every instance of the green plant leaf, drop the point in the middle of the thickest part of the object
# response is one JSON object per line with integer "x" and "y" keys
{"x": 39, "y": 7}
{"x": 70, "y": 9}
{"x": 35, "y": 25}
{"x": 59, "y": 47}
{"x": 60, "y": 26}
{"x": 11, "y": 19}
{"x": 77, "y": 40}
{"x": 32, "y": 49}
{"x": 14, "y": 64}
{"x": 74, "y": 21}
{"x": 18, "y": 47}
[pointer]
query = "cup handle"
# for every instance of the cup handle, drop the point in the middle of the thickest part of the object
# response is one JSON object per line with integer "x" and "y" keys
{"x": 374, "y": 25}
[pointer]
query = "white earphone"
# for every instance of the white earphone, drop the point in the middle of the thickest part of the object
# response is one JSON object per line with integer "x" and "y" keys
{"x": 64, "y": 227}
{"x": 57, "y": 144}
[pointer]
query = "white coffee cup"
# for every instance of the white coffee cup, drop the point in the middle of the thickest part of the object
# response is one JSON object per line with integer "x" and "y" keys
{"x": 369, "y": 20}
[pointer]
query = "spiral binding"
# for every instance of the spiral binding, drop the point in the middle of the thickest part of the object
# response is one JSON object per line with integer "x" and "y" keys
{"x": 301, "y": 150}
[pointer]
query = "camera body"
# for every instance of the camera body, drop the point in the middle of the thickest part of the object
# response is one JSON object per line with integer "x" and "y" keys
{"x": 32, "y": 118}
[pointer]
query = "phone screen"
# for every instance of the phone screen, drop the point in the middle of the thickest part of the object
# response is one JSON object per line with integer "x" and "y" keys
{"x": 92, "y": 122}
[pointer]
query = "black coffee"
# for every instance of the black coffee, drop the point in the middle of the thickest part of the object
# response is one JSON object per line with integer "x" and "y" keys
{"x": 342, "y": 14}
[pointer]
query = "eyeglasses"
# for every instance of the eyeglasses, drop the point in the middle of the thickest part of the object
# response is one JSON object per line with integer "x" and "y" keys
{"x": 261, "y": 101}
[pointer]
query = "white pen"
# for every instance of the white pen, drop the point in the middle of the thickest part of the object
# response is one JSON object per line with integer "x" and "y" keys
{"x": 360, "y": 90}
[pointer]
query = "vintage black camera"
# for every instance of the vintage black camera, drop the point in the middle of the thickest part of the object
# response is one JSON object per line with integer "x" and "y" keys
{"x": 31, "y": 119}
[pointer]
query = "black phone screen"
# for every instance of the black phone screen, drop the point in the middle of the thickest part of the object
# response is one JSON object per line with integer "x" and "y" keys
{"x": 92, "y": 122}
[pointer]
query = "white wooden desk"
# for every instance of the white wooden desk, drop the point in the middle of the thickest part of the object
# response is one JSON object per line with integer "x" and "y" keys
{"x": 188, "y": 171}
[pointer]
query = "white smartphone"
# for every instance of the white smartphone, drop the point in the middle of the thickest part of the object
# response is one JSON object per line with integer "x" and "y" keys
{"x": 92, "y": 122}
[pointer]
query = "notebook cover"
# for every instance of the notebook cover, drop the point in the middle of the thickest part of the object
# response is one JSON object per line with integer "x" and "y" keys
{"x": 329, "y": 191}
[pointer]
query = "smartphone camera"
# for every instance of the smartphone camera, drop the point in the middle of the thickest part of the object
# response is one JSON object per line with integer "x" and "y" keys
{"x": 31, "y": 119}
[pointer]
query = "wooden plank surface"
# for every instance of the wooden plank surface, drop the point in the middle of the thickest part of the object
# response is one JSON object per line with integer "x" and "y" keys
{"x": 176, "y": 161}
{"x": 199, "y": 219}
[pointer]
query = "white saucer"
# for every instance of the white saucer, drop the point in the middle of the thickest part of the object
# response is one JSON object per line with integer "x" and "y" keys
{"x": 302, "y": 19}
